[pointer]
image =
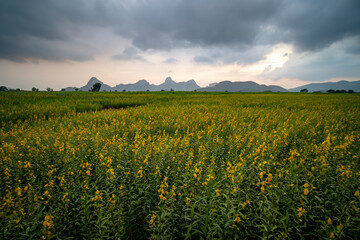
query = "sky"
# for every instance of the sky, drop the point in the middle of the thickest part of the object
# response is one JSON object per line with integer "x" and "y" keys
{"x": 57, "y": 44}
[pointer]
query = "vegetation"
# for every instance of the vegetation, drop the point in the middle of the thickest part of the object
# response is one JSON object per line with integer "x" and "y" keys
{"x": 96, "y": 87}
{"x": 179, "y": 165}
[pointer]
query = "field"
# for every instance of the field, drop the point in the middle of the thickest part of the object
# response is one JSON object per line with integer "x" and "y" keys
{"x": 176, "y": 165}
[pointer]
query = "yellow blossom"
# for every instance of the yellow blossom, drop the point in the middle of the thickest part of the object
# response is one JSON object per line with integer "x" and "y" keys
{"x": 306, "y": 191}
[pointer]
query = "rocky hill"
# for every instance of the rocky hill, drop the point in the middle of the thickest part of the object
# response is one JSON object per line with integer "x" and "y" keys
{"x": 248, "y": 86}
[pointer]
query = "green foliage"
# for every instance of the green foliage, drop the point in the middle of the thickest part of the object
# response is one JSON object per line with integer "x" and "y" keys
{"x": 96, "y": 87}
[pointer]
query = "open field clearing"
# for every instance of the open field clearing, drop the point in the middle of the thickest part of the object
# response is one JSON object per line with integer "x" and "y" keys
{"x": 179, "y": 165}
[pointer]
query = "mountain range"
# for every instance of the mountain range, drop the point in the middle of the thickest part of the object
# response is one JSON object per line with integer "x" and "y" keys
{"x": 191, "y": 85}
{"x": 141, "y": 85}
{"x": 323, "y": 87}
{"x": 241, "y": 87}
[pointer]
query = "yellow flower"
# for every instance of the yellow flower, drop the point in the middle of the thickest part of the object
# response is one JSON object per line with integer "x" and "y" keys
{"x": 48, "y": 222}
{"x": 306, "y": 191}
{"x": 237, "y": 219}
{"x": 329, "y": 221}
{"x": 152, "y": 220}
{"x": 262, "y": 188}
{"x": 357, "y": 193}
{"x": 306, "y": 185}
{"x": 332, "y": 235}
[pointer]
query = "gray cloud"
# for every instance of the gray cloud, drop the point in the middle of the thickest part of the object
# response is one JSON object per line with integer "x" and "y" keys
{"x": 233, "y": 30}
{"x": 225, "y": 55}
{"x": 314, "y": 25}
{"x": 49, "y": 29}
{"x": 130, "y": 53}
{"x": 168, "y": 24}
{"x": 171, "y": 60}
{"x": 332, "y": 62}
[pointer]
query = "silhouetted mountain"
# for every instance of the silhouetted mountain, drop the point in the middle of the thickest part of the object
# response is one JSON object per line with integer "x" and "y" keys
{"x": 141, "y": 85}
{"x": 323, "y": 87}
{"x": 242, "y": 87}
{"x": 91, "y": 83}
{"x": 169, "y": 84}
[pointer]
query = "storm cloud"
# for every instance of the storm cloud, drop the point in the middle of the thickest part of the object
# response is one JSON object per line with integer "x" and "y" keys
{"x": 231, "y": 31}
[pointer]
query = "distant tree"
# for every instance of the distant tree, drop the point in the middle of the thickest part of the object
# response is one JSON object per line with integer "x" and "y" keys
{"x": 171, "y": 90}
{"x": 63, "y": 89}
{"x": 148, "y": 90}
{"x": 123, "y": 90}
{"x": 3, "y": 88}
{"x": 49, "y": 89}
{"x": 18, "y": 89}
{"x": 162, "y": 90}
{"x": 76, "y": 89}
{"x": 340, "y": 91}
{"x": 330, "y": 91}
{"x": 34, "y": 89}
{"x": 350, "y": 91}
{"x": 195, "y": 90}
{"x": 304, "y": 90}
{"x": 115, "y": 90}
{"x": 96, "y": 87}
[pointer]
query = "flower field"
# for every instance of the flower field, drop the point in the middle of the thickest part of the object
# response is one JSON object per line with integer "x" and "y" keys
{"x": 179, "y": 166}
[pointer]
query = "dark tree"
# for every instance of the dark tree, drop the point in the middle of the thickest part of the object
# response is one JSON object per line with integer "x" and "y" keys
{"x": 96, "y": 87}
{"x": 350, "y": 91}
{"x": 330, "y": 91}
{"x": 76, "y": 89}
{"x": 34, "y": 89}
{"x": 63, "y": 89}
{"x": 3, "y": 88}
{"x": 304, "y": 90}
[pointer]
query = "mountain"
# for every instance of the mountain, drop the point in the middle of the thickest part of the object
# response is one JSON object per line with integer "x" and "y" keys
{"x": 169, "y": 84}
{"x": 248, "y": 86}
{"x": 323, "y": 87}
{"x": 141, "y": 85}
{"x": 91, "y": 82}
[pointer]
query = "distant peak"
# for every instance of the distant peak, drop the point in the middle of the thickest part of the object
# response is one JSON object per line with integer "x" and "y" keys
{"x": 142, "y": 81}
{"x": 169, "y": 80}
{"x": 94, "y": 80}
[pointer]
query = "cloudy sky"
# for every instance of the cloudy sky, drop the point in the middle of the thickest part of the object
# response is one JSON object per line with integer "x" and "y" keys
{"x": 57, "y": 43}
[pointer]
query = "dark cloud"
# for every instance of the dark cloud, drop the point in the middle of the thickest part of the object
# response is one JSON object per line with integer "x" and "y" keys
{"x": 314, "y": 25}
{"x": 169, "y": 24}
{"x": 51, "y": 29}
{"x": 129, "y": 54}
{"x": 48, "y": 29}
